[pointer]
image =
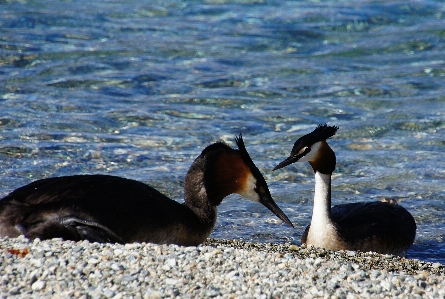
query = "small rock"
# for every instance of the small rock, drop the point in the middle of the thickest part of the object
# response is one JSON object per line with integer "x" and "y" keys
{"x": 171, "y": 281}
{"x": 38, "y": 285}
{"x": 93, "y": 261}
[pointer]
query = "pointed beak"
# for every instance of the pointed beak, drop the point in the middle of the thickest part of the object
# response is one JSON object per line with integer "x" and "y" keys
{"x": 295, "y": 155}
{"x": 269, "y": 203}
{"x": 289, "y": 160}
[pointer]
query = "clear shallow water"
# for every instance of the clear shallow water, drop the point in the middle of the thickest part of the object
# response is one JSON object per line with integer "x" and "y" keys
{"x": 138, "y": 89}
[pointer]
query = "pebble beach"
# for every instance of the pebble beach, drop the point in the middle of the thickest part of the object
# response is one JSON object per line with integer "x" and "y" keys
{"x": 216, "y": 269}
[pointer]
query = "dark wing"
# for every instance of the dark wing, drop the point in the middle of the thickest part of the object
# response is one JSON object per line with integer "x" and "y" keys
{"x": 90, "y": 230}
{"x": 69, "y": 228}
{"x": 92, "y": 207}
{"x": 373, "y": 225}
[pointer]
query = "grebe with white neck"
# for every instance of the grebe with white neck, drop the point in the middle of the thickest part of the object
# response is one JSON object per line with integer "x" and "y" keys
{"x": 379, "y": 226}
{"x": 104, "y": 208}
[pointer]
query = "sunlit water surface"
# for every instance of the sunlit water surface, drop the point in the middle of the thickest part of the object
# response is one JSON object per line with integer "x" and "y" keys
{"x": 138, "y": 88}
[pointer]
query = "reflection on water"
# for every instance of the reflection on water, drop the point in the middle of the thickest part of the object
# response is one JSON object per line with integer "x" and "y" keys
{"x": 139, "y": 89}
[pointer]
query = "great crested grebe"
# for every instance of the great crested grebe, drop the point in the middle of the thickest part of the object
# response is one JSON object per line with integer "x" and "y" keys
{"x": 103, "y": 208}
{"x": 382, "y": 227}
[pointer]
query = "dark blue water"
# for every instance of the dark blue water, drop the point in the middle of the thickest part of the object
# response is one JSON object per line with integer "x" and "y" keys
{"x": 139, "y": 88}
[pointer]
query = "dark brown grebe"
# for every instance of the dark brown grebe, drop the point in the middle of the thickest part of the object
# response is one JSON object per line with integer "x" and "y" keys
{"x": 103, "y": 208}
{"x": 383, "y": 227}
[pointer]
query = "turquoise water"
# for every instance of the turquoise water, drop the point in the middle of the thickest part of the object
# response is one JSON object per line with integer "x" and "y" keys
{"x": 139, "y": 88}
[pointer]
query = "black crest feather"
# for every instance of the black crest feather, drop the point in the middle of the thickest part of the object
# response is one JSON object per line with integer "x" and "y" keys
{"x": 321, "y": 132}
{"x": 244, "y": 154}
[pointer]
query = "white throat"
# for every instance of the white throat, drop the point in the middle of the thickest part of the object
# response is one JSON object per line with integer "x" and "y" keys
{"x": 249, "y": 189}
{"x": 322, "y": 200}
{"x": 322, "y": 232}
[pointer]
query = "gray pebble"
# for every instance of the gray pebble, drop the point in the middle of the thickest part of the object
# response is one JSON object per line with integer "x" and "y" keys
{"x": 217, "y": 269}
{"x": 38, "y": 285}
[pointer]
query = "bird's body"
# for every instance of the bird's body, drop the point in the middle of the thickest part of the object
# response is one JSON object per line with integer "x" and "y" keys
{"x": 382, "y": 227}
{"x": 105, "y": 208}
{"x": 356, "y": 225}
{"x": 59, "y": 207}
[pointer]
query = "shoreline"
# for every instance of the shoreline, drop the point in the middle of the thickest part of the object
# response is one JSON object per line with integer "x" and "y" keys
{"x": 366, "y": 260}
{"x": 216, "y": 269}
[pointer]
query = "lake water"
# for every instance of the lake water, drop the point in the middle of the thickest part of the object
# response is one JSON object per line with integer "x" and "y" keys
{"x": 138, "y": 88}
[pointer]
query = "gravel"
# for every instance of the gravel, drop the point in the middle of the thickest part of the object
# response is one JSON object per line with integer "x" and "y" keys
{"x": 217, "y": 269}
